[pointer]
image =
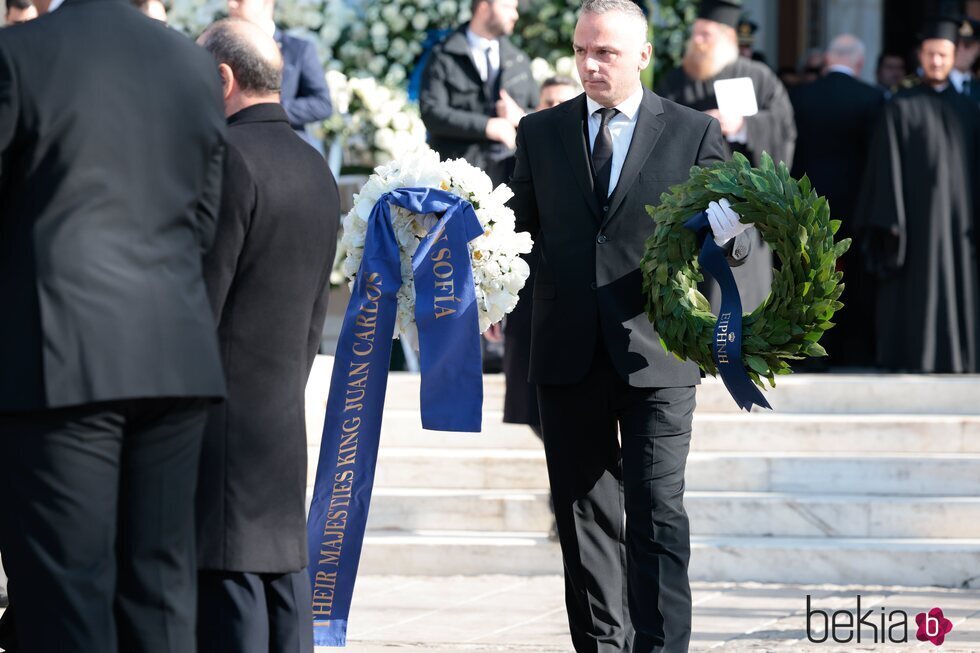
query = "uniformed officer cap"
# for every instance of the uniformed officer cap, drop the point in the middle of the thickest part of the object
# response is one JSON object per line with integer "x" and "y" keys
{"x": 746, "y": 31}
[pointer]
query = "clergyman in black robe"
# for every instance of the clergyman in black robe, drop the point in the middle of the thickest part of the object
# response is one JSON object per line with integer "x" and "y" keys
{"x": 919, "y": 220}
{"x": 712, "y": 54}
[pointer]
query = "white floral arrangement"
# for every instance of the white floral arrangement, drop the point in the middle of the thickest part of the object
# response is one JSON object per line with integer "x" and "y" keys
{"x": 541, "y": 69}
{"x": 499, "y": 272}
{"x": 377, "y": 123}
{"x": 384, "y": 39}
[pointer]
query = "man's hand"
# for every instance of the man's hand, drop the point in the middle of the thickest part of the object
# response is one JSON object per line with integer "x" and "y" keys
{"x": 730, "y": 125}
{"x": 500, "y": 130}
{"x": 725, "y": 223}
{"x": 495, "y": 333}
{"x": 508, "y": 109}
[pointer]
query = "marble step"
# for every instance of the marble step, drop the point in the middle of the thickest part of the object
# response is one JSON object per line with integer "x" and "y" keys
{"x": 801, "y": 393}
{"x": 727, "y": 432}
{"x": 712, "y": 513}
{"x": 846, "y": 473}
{"x": 844, "y": 561}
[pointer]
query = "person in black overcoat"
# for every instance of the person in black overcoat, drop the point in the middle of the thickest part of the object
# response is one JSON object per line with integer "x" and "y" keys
{"x": 476, "y": 87}
{"x": 111, "y": 148}
{"x": 835, "y": 119}
{"x": 585, "y": 172}
{"x": 268, "y": 278}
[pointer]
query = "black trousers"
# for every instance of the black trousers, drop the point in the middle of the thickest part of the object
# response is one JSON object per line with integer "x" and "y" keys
{"x": 97, "y": 526}
{"x": 626, "y": 584}
{"x": 241, "y": 612}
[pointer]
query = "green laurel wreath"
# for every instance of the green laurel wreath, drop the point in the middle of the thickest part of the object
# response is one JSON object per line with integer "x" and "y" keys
{"x": 806, "y": 284}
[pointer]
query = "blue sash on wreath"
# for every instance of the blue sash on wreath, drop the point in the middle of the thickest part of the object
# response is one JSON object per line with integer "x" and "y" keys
{"x": 452, "y": 382}
{"x": 727, "y": 342}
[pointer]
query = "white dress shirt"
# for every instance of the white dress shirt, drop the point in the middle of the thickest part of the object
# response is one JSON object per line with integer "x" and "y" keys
{"x": 54, "y": 5}
{"x": 621, "y": 128}
{"x": 478, "y": 49}
{"x": 957, "y": 77}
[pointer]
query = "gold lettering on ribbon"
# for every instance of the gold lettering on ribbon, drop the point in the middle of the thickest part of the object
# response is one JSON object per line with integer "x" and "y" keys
{"x": 443, "y": 270}
{"x": 335, "y": 525}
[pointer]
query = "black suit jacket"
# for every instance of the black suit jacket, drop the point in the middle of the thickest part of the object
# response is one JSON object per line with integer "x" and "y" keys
{"x": 268, "y": 277}
{"x": 835, "y": 118}
{"x": 112, "y": 137}
{"x": 588, "y": 284}
{"x": 454, "y": 103}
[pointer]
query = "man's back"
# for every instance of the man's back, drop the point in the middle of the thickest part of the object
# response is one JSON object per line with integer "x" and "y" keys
{"x": 112, "y": 135}
{"x": 268, "y": 277}
{"x": 835, "y": 118}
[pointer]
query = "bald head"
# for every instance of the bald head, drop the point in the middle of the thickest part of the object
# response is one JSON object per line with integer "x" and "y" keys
{"x": 846, "y": 50}
{"x": 249, "y": 62}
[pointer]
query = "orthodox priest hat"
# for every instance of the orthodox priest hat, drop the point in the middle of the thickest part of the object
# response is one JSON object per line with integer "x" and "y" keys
{"x": 726, "y": 12}
{"x": 942, "y": 27}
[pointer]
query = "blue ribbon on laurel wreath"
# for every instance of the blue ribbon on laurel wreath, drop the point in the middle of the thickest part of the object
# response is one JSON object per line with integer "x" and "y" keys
{"x": 727, "y": 341}
{"x": 451, "y": 391}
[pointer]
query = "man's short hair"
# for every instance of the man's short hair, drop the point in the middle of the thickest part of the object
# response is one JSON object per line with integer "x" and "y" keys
{"x": 628, "y": 7}
{"x": 18, "y": 4}
{"x": 560, "y": 80}
{"x": 253, "y": 72}
{"x": 889, "y": 54}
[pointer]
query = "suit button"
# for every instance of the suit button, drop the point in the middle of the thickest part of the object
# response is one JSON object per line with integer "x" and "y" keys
{"x": 601, "y": 239}
{"x": 605, "y": 209}
{"x": 593, "y": 285}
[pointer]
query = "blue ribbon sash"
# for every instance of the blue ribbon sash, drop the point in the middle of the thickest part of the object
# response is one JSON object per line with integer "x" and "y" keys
{"x": 446, "y": 314}
{"x": 727, "y": 342}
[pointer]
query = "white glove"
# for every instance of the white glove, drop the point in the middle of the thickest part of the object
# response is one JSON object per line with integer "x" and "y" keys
{"x": 725, "y": 223}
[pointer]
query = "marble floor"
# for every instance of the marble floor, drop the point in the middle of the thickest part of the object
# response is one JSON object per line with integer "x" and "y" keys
{"x": 525, "y": 614}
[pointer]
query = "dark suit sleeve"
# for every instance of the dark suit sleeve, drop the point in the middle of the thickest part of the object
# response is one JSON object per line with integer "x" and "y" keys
{"x": 439, "y": 117}
{"x": 9, "y": 104}
{"x": 312, "y": 101}
{"x": 234, "y": 220}
{"x": 523, "y": 203}
{"x": 208, "y": 205}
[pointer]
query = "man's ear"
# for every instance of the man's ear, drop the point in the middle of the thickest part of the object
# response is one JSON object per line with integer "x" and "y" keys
{"x": 646, "y": 55}
{"x": 227, "y": 80}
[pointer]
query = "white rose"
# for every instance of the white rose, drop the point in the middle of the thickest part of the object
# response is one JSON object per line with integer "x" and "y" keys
{"x": 420, "y": 21}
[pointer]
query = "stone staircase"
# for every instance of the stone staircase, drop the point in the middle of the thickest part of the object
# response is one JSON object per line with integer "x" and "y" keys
{"x": 853, "y": 479}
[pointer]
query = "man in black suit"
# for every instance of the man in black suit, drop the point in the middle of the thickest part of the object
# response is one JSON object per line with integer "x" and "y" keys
{"x": 476, "y": 88}
{"x": 835, "y": 118}
{"x": 110, "y": 356}
{"x": 268, "y": 277}
{"x": 585, "y": 172}
{"x": 304, "y": 93}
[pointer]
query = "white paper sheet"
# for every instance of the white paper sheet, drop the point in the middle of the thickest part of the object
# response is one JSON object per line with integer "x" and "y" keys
{"x": 736, "y": 97}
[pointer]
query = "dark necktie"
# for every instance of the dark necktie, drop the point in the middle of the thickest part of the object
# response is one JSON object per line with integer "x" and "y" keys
{"x": 602, "y": 152}
{"x": 966, "y": 87}
{"x": 489, "y": 83}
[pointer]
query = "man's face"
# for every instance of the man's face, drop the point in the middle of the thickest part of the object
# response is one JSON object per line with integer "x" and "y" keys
{"x": 891, "y": 72}
{"x": 15, "y": 15}
{"x": 966, "y": 54}
{"x": 936, "y": 57}
{"x": 556, "y": 94}
{"x": 610, "y": 51}
{"x": 502, "y": 17}
{"x": 706, "y": 34}
{"x": 254, "y": 11}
